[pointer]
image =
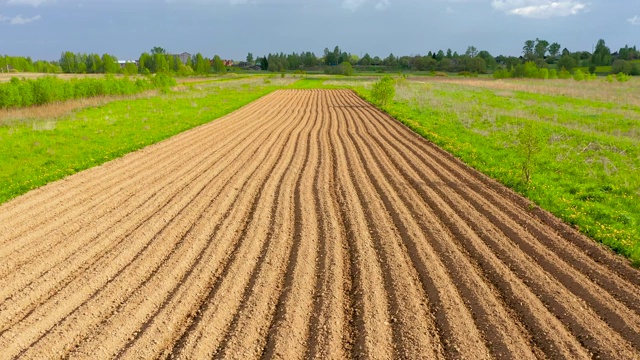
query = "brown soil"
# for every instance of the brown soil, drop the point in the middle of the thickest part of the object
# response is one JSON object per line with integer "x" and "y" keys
{"x": 307, "y": 224}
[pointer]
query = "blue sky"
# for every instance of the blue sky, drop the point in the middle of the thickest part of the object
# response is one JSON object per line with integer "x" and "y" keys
{"x": 43, "y": 29}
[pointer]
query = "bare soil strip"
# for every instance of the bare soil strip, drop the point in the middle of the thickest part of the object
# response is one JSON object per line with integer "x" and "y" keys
{"x": 307, "y": 224}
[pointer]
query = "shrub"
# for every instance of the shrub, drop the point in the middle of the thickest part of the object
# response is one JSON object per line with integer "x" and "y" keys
{"x": 578, "y": 75}
{"x": 543, "y": 73}
{"x": 27, "y": 92}
{"x": 564, "y": 74}
{"x": 621, "y": 66}
{"x": 553, "y": 74}
{"x": 501, "y": 73}
{"x": 622, "y": 77}
{"x": 383, "y": 90}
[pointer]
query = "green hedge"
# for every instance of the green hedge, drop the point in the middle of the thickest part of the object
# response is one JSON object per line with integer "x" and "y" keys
{"x": 27, "y": 92}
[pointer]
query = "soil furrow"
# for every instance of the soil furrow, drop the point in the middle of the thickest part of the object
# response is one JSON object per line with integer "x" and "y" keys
{"x": 307, "y": 224}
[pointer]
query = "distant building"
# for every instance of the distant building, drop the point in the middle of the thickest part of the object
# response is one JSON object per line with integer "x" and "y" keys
{"x": 184, "y": 57}
{"x": 228, "y": 62}
{"x": 124, "y": 63}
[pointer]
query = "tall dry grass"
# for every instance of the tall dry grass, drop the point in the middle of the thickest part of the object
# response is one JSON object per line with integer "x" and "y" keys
{"x": 600, "y": 90}
{"x": 56, "y": 110}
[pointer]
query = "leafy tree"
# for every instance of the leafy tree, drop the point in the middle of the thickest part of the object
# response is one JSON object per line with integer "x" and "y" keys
{"x": 218, "y": 65}
{"x": 489, "y": 60}
{"x": 366, "y": 60}
{"x": 471, "y": 51}
{"x": 158, "y": 50}
{"x": 567, "y": 62}
{"x": 383, "y": 90}
{"x": 109, "y": 64}
{"x": 541, "y": 48}
{"x": 145, "y": 63}
{"x": 554, "y": 50}
{"x": 68, "y": 62}
{"x": 250, "y": 58}
{"x": 201, "y": 64}
{"x": 390, "y": 61}
{"x": 264, "y": 63}
{"x": 528, "y": 49}
{"x": 130, "y": 68}
{"x": 425, "y": 63}
{"x": 160, "y": 61}
{"x": 621, "y": 66}
{"x": 602, "y": 54}
{"x": 529, "y": 145}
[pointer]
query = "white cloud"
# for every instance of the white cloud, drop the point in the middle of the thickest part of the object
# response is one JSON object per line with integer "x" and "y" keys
{"x": 540, "y": 9}
{"x": 19, "y": 20}
{"x": 634, "y": 20}
{"x": 34, "y": 3}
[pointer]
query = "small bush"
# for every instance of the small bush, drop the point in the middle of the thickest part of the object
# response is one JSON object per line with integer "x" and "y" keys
{"x": 383, "y": 90}
{"x": 564, "y": 74}
{"x": 28, "y": 92}
{"x": 578, "y": 75}
{"x": 622, "y": 77}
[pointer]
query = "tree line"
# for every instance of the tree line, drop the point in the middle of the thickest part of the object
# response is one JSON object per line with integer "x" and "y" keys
{"x": 542, "y": 53}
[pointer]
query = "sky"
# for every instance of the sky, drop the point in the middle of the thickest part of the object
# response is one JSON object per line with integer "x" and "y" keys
{"x": 43, "y": 29}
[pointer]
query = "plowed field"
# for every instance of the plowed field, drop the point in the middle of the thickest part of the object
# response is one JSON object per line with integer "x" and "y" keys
{"x": 306, "y": 224}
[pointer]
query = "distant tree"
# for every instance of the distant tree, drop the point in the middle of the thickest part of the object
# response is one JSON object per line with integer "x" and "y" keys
{"x": 309, "y": 59}
{"x": 201, "y": 64}
{"x": 621, "y": 66}
{"x": 145, "y": 63}
{"x": 158, "y": 50}
{"x": 567, "y": 62}
{"x": 110, "y": 64}
{"x": 471, "y": 51}
{"x": 489, "y": 60}
{"x": 160, "y": 61}
{"x": 449, "y": 54}
{"x": 528, "y": 49}
{"x": 541, "y": 48}
{"x": 218, "y": 65}
{"x": 366, "y": 60}
{"x": 554, "y": 50}
{"x": 331, "y": 57}
{"x": 439, "y": 56}
{"x": 68, "y": 62}
{"x": 475, "y": 65}
{"x": 130, "y": 68}
{"x": 602, "y": 54}
{"x": 250, "y": 58}
{"x": 345, "y": 68}
{"x": 264, "y": 63}
{"x": 425, "y": 63}
{"x": 390, "y": 60}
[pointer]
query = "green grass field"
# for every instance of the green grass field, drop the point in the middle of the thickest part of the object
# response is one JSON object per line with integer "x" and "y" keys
{"x": 35, "y": 152}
